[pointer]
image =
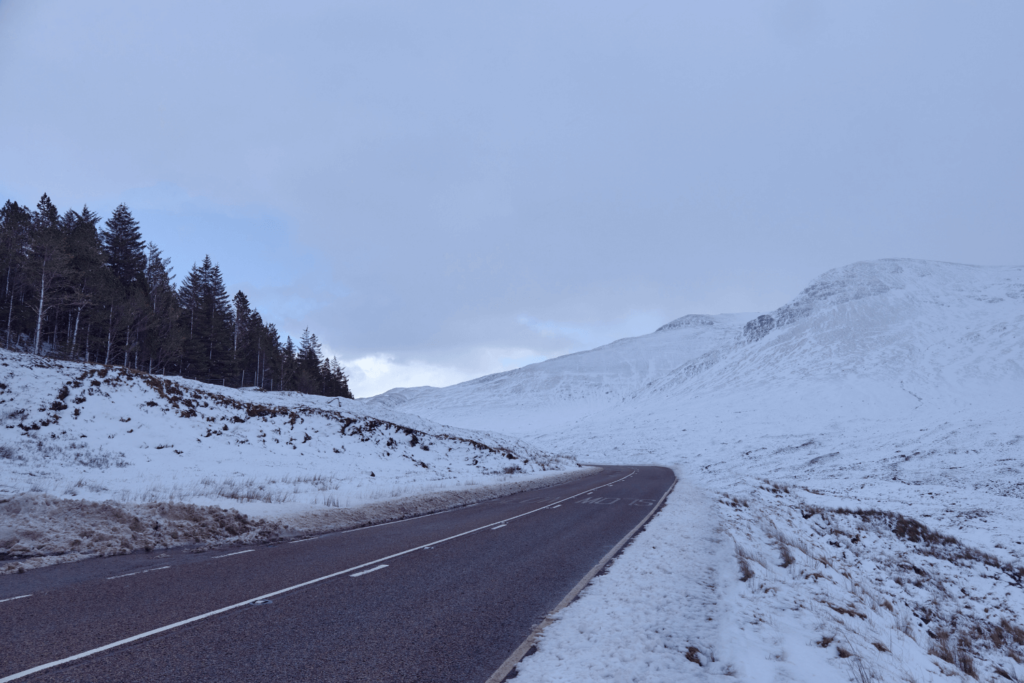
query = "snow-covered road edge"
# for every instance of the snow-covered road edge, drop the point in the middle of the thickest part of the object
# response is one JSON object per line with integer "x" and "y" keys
{"x": 40, "y": 530}
{"x": 656, "y": 614}
{"x": 317, "y": 520}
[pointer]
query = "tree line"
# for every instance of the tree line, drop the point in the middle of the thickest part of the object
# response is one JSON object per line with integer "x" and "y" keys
{"x": 73, "y": 289}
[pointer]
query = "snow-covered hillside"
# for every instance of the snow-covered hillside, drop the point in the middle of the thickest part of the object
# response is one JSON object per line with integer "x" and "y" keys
{"x": 542, "y": 396}
{"x": 892, "y": 386}
{"x": 84, "y": 432}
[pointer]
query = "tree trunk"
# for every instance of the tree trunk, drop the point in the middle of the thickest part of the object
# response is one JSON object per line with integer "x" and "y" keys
{"x": 10, "y": 311}
{"x": 74, "y": 337}
{"x": 110, "y": 336}
{"x": 42, "y": 300}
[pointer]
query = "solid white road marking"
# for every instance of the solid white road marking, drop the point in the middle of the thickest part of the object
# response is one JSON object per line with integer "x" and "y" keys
{"x": 557, "y": 506}
{"x": 240, "y": 552}
{"x": 303, "y": 540}
{"x": 500, "y": 526}
{"x": 17, "y": 597}
{"x": 266, "y": 596}
{"x": 367, "y": 571}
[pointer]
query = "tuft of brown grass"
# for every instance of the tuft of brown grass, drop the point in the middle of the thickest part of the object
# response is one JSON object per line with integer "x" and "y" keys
{"x": 1010, "y": 675}
{"x": 959, "y": 655}
{"x": 746, "y": 573}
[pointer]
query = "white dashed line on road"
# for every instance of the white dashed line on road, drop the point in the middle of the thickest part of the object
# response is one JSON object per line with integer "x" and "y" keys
{"x": 17, "y": 597}
{"x": 380, "y": 566}
{"x": 121, "y": 576}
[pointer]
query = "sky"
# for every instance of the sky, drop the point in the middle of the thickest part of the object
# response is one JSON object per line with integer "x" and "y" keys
{"x": 444, "y": 190}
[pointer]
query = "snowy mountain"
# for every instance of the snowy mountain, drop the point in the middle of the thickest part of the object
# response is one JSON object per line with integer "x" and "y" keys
{"x": 885, "y": 340}
{"x": 543, "y": 396}
{"x": 906, "y": 352}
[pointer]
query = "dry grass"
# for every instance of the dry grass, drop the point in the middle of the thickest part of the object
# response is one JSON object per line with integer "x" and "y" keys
{"x": 958, "y": 654}
{"x": 746, "y": 573}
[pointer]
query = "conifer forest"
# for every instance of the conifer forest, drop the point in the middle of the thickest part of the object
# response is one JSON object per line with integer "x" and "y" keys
{"x": 76, "y": 289}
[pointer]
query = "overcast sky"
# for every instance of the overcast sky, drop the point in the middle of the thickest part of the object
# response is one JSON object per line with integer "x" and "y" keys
{"x": 443, "y": 190}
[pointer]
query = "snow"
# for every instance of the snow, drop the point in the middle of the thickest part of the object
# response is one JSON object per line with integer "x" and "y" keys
{"x": 890, "y": 386}
{"x": 549, "y": 394}
{"x": 147, "y": 451}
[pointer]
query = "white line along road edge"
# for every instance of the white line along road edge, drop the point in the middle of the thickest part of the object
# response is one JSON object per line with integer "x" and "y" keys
{"x": 246, "y": 603}
{"x": 505, "y": 669}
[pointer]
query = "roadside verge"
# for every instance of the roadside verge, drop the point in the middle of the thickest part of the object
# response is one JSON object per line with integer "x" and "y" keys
{"x": 38, "y": 530}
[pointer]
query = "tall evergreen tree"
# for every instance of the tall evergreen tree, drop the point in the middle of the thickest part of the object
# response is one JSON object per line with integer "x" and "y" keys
{"x": 209, "y": 321}
{"x": 126, "y": 252}
{"x": 289, "y": 365}
{"x": 47, "y": 216}
{"x": 47, "y": 263}
{"x": 165, "y": 338}
{"x": 242, "y": 313}
{"x": 88, "y": 281}
{"x": 15, "y": 228}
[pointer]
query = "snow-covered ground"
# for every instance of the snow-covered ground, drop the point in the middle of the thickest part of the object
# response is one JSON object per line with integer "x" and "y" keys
{"x": 547, "y": 395}
{"x": 891, "y": 387}
{"x": 87, "y": 453}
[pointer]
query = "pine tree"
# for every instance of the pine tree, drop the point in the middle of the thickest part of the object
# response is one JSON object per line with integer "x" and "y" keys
{"x": 289, "y": 366}
{"x": 190, "y": 298}
{"x": 273, "y": 355}
{"x": 86, "y": 282}
{"x": 126, "y": 252}
{"x": 208, "y": 318}
{"x": 46, "y": 215}
{"x": 256, "y": 345}
{"x": 165, "y": 337}
{"x": 217, "y": 307}
{"x": 242, "y": 314}
{"x": 47, "y": 263}
{"x": 339, "y": 380}
{"x": 15, "y": 228}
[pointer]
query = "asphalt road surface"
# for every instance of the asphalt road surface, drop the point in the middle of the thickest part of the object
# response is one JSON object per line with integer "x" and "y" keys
{"x": 445, "y": 597}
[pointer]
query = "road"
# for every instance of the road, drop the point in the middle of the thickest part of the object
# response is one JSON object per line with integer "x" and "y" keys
{"x": 446, "y": 597}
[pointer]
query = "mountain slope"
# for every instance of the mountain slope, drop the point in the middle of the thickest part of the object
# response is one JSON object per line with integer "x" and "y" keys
{"x": 542, "y": 396}
{"x": 94, "y": 432}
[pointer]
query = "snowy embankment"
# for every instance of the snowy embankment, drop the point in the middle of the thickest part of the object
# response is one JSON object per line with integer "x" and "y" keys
{"x": 97, "y": 461}
{"x": 850, "y": 502}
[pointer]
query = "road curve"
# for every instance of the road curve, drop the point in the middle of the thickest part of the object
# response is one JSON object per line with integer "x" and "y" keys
{"x": 446, "y": 597}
